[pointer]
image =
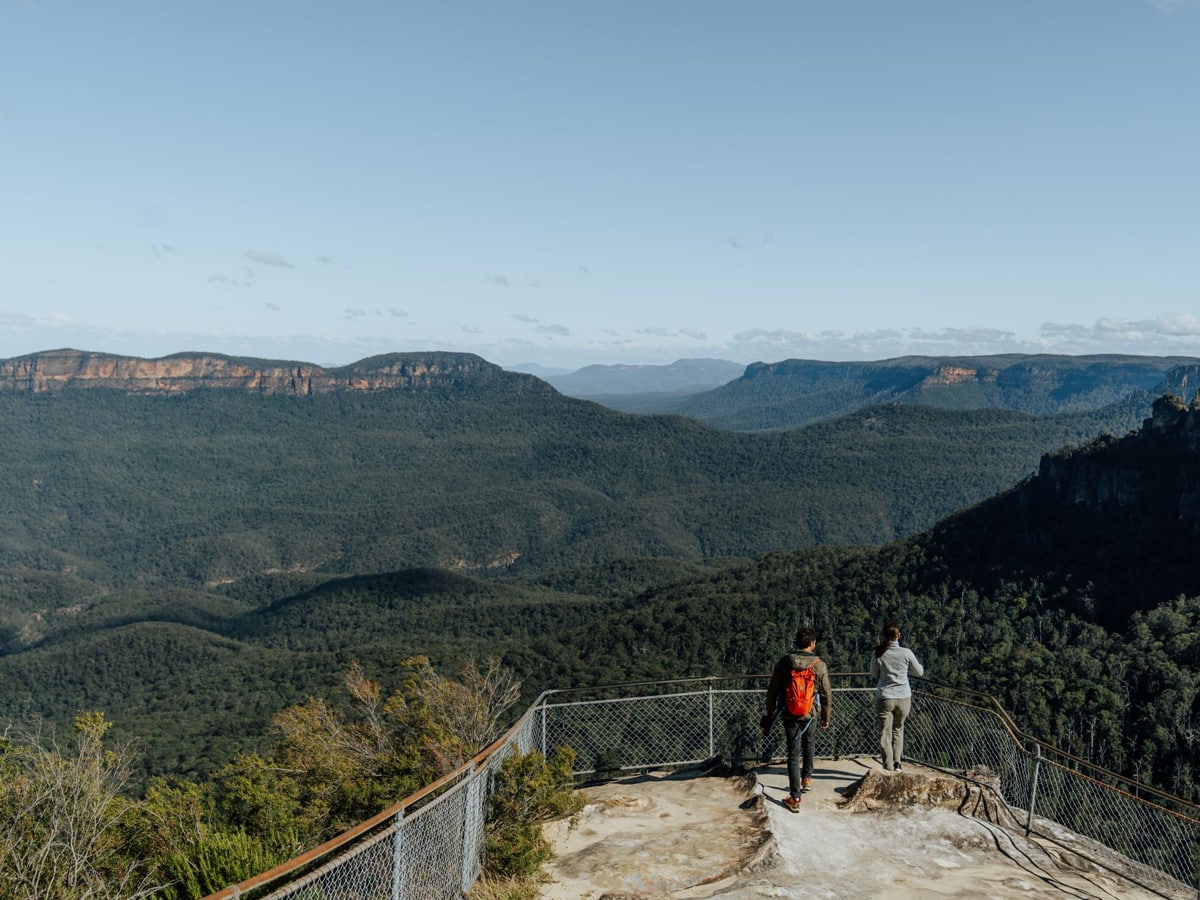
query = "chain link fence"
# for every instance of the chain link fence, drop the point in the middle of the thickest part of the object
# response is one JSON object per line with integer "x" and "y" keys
{"x": 430, "y": 845}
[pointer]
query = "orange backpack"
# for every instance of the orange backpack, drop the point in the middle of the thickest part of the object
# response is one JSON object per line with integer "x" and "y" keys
{"x": 801, "y": 690}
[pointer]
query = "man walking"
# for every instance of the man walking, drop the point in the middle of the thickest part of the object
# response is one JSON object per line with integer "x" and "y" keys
{"x": 813, "y": 676}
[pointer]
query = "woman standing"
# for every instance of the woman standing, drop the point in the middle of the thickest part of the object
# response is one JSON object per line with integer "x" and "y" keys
{"x": 890, "y": 667}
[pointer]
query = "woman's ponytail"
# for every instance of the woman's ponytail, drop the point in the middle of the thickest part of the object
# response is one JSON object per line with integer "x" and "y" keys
{"x": 891, "y": 632}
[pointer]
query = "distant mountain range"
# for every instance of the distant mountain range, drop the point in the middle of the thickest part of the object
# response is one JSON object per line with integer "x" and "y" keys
{"x": 682, "y": 377}
{"x": 794, "y": 393}
{"x": 726, "y": 395}
{"x": 56, "y": 370}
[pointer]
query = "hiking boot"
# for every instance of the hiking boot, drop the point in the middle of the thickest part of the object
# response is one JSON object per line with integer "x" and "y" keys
{"x": 805, "y": 784}
{"x": 792, "y": 803}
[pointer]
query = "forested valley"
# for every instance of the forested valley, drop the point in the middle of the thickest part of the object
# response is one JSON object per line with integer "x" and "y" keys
{"x": 205, "y": 578}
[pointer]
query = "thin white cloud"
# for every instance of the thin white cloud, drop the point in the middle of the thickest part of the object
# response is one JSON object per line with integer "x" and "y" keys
{"x": 472, "y": 329}
{"x": 16, "y": 320}
{"x": 397, "y": 313}
{"x": 1163, "y": 326}
{"x": 351, "y": 314}
{"x": 957, "y": 336}
{"x": 244, "y": 280}
{"x": 885, "y": 343}
{"x": 521, "y": 317}
{"x": 1179, "y": 323}
{"x": 268, "y": 259}
{"x": 693, "y": 333}
{"x": 499, "y": 280}
{"x": 561, "y": 330}
{"x": 772, "y": 336}
{"x": 658, "y": 331}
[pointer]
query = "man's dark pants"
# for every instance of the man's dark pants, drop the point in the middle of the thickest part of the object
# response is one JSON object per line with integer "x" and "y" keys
{"x": 801, "y": 737}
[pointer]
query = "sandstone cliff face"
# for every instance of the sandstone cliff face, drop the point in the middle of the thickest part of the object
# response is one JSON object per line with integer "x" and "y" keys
{"x": 959, "y": 375}
{"x": 1114, "y": 525}
{"x": 57, "y": 370}
{"x": 1157, "y": 465}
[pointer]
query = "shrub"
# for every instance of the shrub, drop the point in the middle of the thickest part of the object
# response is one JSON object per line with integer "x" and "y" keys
{"x": 529, "y": 791}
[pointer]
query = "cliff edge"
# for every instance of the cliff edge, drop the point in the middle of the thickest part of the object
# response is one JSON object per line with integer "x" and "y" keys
{"x": 57, "y": 370}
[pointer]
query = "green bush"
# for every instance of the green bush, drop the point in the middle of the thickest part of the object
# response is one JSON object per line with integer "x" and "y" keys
{"x": 529, "y": 791}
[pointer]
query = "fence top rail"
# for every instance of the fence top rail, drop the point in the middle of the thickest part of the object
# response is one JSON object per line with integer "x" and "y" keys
{"x": 638, "y": 698}
{"x": 626, "y": 685}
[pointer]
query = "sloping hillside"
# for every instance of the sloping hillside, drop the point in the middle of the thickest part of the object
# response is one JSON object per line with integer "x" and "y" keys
{"x": 1115, "y": 524}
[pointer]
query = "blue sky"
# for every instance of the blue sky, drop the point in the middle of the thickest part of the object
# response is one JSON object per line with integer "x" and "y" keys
{"x": 568, "y": 183}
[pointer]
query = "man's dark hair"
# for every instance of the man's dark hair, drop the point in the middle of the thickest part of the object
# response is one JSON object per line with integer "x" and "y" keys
{"x": 804, "y": 637}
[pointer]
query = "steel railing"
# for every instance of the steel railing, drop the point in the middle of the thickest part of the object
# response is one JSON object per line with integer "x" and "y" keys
{"x": 430, "y": 845}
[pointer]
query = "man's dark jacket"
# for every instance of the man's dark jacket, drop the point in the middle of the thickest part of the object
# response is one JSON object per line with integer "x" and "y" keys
{"x": 782, "y": 675}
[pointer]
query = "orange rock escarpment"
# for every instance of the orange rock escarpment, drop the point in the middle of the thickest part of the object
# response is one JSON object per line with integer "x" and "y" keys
{"x": 56, "y": 370}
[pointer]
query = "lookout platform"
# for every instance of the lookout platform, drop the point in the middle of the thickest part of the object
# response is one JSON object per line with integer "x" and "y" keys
{"x": 860, "y": 833}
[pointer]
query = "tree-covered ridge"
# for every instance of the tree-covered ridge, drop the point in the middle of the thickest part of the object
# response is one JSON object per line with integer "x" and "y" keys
{"x": 793, "y": 393}
{"x": 1115, "y": 523}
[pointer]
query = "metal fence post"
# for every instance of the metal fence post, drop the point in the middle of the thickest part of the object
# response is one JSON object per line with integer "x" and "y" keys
{"x": 472, "y": 828}
{"x": 1037, "y": 767}
{"x": 1196, "y": 859}
{"x": 712, "y": 735}
{"x": 398, "y": 857}
{"x": 543, "y": 729}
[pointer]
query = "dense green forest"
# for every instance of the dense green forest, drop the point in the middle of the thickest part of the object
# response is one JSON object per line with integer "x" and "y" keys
{"x": 101, "y": 490}
{"x": 193, "y": 564}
